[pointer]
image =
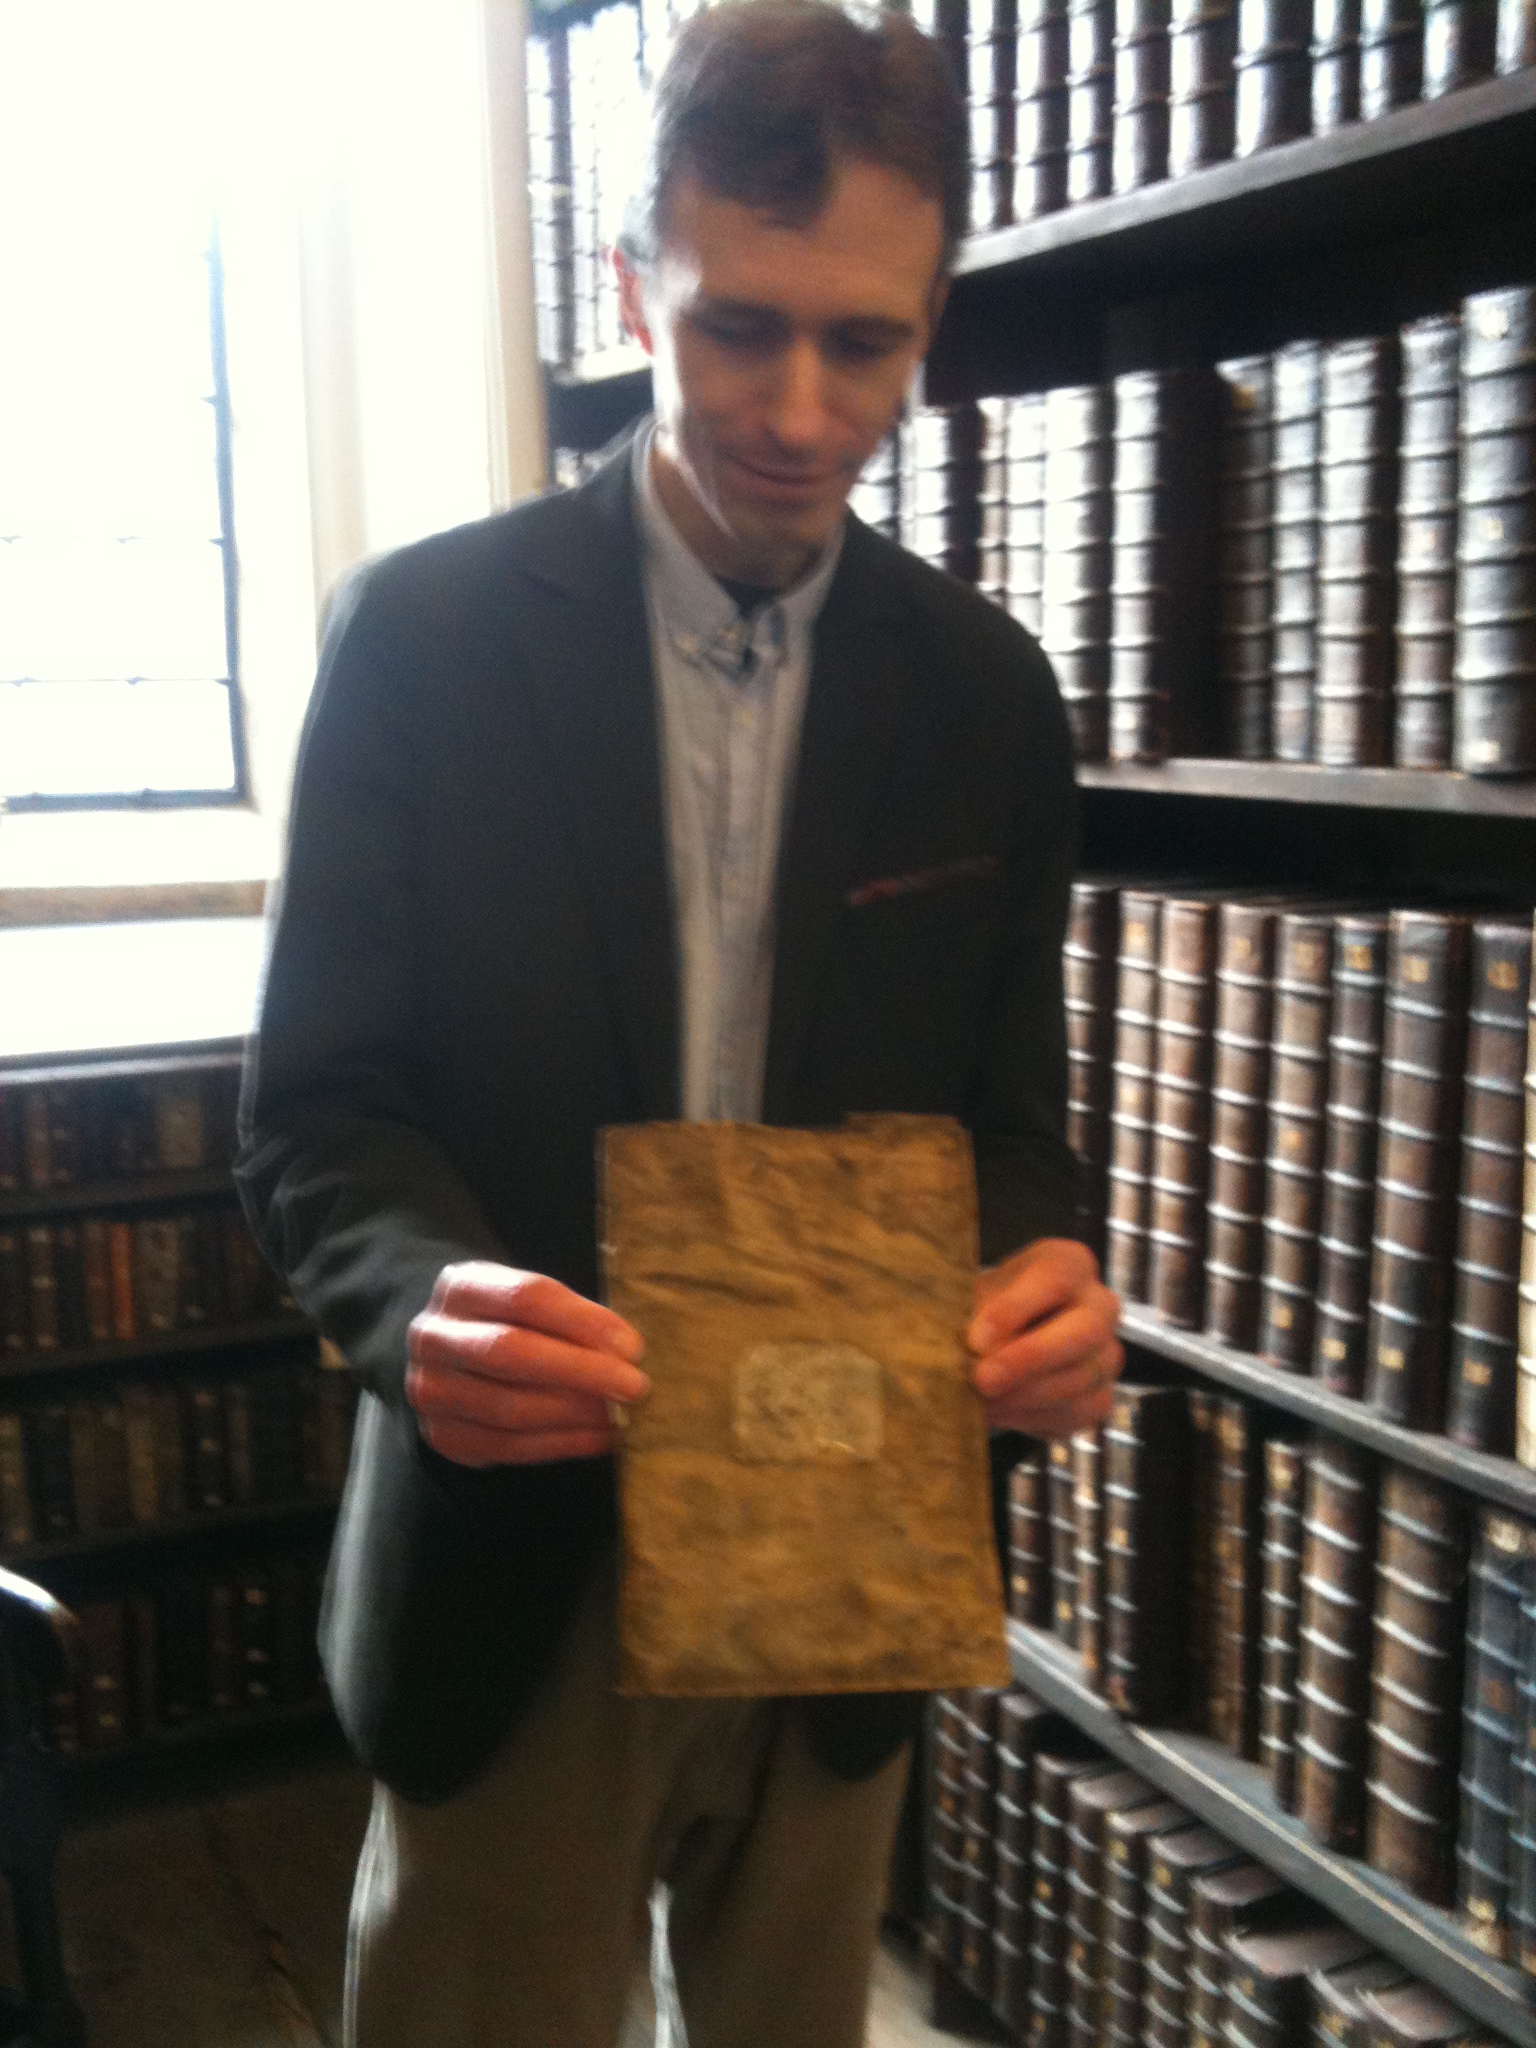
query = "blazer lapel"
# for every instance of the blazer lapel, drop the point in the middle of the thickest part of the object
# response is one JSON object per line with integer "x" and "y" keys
{"x": 597, "y": 710}
{"x": 860, "y": 678}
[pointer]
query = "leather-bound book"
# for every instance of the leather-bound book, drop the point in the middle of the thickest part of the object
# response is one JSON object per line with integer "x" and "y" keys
{"x": 1480, "y": 1409}
{"x": 1335, "y": 64}
{"x": 1161, "y": 640}
{"x": 1040, "y": 116}
{"x": 1357, "y": 551}
{"x": 1029, "y": 1562}
{"x": 1417, "y": 1640}
{"x": 1280, "y": 1614}
{"x": 1421, "y": 1087}
{"x": 14, "y": 1337}
{"x": 1135, "y": 1061}
{"x": 1062, "y": 1509}
{"x": 50, "y": 1470}
{"x": 1338, "y": 1546}
{"x": 1503, "y": 1557}
{"x": 990, "y": 52}
{"x": 1496, "y": 582}
{"x": 1129, "y": 1837}
{"x": 1521, "y": 1907}
{"x": 940, "y": 450}
{"x": 1298, "y": 1087}
{"x": 1074, "y": 605}
{"x": 1460, "y": 37}
{"x": 42, "y": 1287}
{"x": 978, "y": 1851}
{"x": 1335, "y": 2000}
{"x": 1089, "y": 967}
{"x": 1245, "y": 554}
{"x": 1237, "y": 1900}
{"x": 1088, "y": 1552}
{"x": 1023, "y": 1725}
{"x": 1293, "y": 597}
{"x": 1181, "y": 1108}
{"x": 1266, "y": 2001}
{"x": 1349, "y": 1150}
{"x": 1090, "y": 1801}
{"x": 1414, "y": 2015}
{"x": 254, "y": 1594}
{"x": 1090, "y": 100}
{"x": 1202, "y": 85}
{"x": 1140, "y": 145}
{"x": 1199, "y": 1631}
{"x": 1245, "y": 956}
{"x": 1391, "y": 55}
{"x": 1146, "y": 1549}
{"x": 1025, "y": 487}
{"x": 1426, "y": 543}
{"x": 1049, "y": 1987}
{"x": 1516, "y": 47}
{"x": 1525, "y": 1304}
{"x": 104, "y": 1706}
{"x": 1274, "y": 73}
{"x": 1234, "y": 1702}
{"x": 1175, "y": 1863}
{"x": 15, "y": 1505}
{"x": 948, "y": 1753}
{"x": 11, "y": 1155}
{"x": 992, "y": 498}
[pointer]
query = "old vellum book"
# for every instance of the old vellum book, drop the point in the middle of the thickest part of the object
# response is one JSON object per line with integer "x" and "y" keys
{"x": 804, "y": 1496}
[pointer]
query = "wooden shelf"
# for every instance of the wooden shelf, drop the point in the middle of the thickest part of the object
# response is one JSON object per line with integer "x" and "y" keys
{"x": 169, "y": 1344}
{"x": 238, "y": 1725}
{"x": 1495, "y": 1479}
{"x": 1389, "y": 789}
{"x": 141, "y": 1191}
{"x": 107, "y": 1543}
{"x": 1234, "y": 1798}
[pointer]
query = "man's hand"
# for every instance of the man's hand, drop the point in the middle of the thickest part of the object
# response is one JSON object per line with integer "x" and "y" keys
{"x": 1045, "y": 1328}
{"x": 511, "y": 1368}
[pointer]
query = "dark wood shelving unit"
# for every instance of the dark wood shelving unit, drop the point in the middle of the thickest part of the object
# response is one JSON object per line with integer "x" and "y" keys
{"x": 139, "y": 1537}
{"x": 179, "y": 1344}
{"x": 1495, "y": 1479}
{"x": 141, "y": 1191}
{"x": 211, "y": 1732}
{"x": 1234, "y": 1798}
{"x": 1383, "y": 789}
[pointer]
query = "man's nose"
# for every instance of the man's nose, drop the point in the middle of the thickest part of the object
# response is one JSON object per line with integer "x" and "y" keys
{"x": 799, "y": 414}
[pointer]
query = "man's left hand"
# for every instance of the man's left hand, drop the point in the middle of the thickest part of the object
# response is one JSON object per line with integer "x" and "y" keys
{"x": 1045, "y": 1330}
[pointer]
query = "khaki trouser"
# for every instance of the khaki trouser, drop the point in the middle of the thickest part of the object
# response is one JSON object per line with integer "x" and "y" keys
{"x": 518, "y": 1914}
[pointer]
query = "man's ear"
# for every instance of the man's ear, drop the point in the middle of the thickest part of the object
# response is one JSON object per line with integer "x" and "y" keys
{"x": 631, "y": 301}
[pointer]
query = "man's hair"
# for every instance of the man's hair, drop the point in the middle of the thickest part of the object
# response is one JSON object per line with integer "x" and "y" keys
{"x": 762, "y": 101}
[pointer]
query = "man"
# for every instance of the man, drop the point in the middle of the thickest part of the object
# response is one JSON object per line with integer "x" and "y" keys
{"x": 681, "y": 794}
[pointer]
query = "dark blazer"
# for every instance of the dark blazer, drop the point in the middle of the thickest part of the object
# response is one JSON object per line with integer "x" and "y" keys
{"x": 473, "y": 968}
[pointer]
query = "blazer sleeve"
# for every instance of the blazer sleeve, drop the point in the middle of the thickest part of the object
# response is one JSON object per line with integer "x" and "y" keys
{"x": 344, "y": 1185}
{"x": 1026, "y": 1171}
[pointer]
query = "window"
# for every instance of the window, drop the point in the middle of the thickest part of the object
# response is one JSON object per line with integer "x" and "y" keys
{"x": 118, "y": 616}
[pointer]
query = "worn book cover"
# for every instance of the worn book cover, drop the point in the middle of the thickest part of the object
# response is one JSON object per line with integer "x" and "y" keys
{"x": 804, "y": 1494}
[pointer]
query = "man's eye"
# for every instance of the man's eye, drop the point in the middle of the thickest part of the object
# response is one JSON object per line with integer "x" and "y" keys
{"x": 734, "y": 333}
{"x": 861, "y": 348}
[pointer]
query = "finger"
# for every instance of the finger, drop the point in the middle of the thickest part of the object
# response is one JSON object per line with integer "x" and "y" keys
{"x": 1058, "y": 1420}
{"x": 468, "y": 1443}
{"x": 480, "y": 1291}
{"x": 445, "y": 1396}
{"x": 1059, "y": 1344}
{"x": 523, "y": 1357}
{"x": 1099, "y": 1368}
{"x": 1049, "y": 1276}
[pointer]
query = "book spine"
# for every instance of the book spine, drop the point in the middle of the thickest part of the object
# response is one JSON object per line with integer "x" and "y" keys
{"x": 1089, "y": 972}
{"x": 1415, "y": 1173}
{"x": 1480, "y": 1411}
{"x": 1063, "y": 1533}
{"x": 42, "y": 1287}
{"x": 1200, "y": 1626}
{"x": 208, "y": 1487}
{"x": 69, "y": 1282}
{"x": 36, "y": 1141}
{"x": 1049, "y": 1982}
{"x": 1181, "y": 1110}
{"x": 1146, "y": 1583}
{"x": 1029, "y": 1574}
{"x": 1221, "y": 1904}
{"x": 1418, "y": 1635}
{"x": 1088, "y": 1553}
{"x": 221, "y": 1648}
{"x": 1234, "y": 1716}
{"x": 50, "y": 1477}
{"x": 143, "y": 1640}
{"x": 1130, "y": 1159}
{"x": 238, "y": 1435}
{"x": 1298, "y": 1077}
{"x": 1349, "y": 1152}
{"x": 103, "y": 1673}
{"x": 1357, "y": 547}
{"x": 143, "y": 1470}
{"x": 1522, "y": 1833}
{"x": 11, "y": 1151}
{"x": 15, "y": 1324}
{"x": 96, "y": 1272}
{"x": 15, "y": 1505}
{"x": 1502, "y": 1557}
{"x": 1525, "y": 1315}
{"x": 125, "y": 1326}
{"x": 1239, "y": 1111}
{"x": 1245, "y": 553}
{"x": 1426, "y": 543}
{"x": 1280, "y": 1615}
{"x": 170, "y": 1453}
{"x": 256, "y": 1639}
{"x": 1338, "y": 1542}
{"x": 1293, "y": 601}
{"x": 946, "y": 1823}
{"x": 156, "y": 1274}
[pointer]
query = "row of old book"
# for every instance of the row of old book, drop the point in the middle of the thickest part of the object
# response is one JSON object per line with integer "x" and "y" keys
{"x": 60, "y": 1135}
{"x": 86, "y": 1281}
{"x": 152, "y": 1452}
{"x": 1071, "y": 100}
{"x": 1302, "y": 1128}
{"x": 1366, "y": 1633}
{"x": 1091, "y": 1912}
{"x": 1324, "y": 554}
{"x": 185, "y": 1652}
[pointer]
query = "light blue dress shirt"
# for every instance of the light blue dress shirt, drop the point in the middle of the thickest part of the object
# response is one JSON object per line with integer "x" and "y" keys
{"x": 730, "y": 701}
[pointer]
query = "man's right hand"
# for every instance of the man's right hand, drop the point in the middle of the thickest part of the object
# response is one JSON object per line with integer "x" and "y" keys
{"x": 511, "y": 1368}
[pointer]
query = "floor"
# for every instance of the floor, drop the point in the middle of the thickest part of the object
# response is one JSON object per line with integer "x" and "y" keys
{"x": 216, "y": 1917}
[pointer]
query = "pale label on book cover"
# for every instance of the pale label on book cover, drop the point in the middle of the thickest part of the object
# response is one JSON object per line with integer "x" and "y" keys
{"x": 804, "y": 1495}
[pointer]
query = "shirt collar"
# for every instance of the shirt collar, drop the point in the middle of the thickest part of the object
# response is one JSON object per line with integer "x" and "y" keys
{"x": 699, "y": 618}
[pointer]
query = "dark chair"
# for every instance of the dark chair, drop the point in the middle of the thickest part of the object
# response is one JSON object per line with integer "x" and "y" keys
{"x": 39, "y": 1662}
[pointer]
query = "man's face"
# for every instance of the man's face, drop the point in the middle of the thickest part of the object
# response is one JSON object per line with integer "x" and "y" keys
{"x": 781, "y": 357}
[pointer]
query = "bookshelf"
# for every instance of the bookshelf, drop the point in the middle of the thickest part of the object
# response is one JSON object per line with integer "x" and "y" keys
{"x": 172, "y": 1445}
